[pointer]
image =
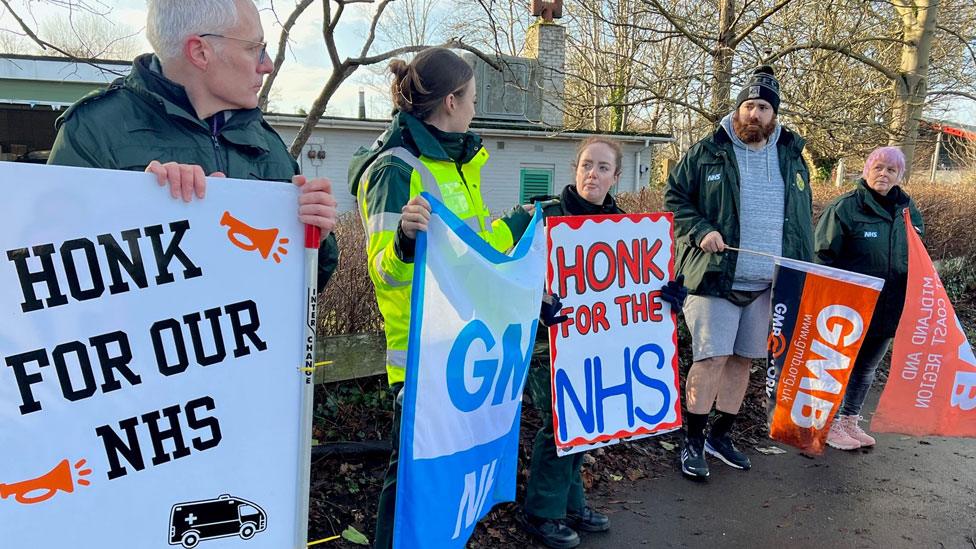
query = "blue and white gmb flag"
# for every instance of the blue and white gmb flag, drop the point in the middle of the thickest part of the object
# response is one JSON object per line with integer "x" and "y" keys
{"x": 474, "y": 316}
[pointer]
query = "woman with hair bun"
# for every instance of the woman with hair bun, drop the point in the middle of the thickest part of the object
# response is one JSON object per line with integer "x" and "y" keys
{"x": 427, "y": 147}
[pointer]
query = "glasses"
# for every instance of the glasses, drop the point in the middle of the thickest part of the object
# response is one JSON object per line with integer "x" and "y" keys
{"x": 264, "y": 45}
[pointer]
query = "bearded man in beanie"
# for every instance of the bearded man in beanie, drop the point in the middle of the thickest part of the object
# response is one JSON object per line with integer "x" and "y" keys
{"x": 744, "y": 186}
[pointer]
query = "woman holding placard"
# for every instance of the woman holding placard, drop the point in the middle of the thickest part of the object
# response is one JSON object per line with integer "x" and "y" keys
{"x": 555, "y": 506}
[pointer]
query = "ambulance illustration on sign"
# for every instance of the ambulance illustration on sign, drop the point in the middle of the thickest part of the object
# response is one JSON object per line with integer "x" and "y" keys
{"x": 196, "y": 521}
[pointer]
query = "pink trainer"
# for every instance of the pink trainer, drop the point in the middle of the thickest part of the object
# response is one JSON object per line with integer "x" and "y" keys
{"x": 854, "y": 430}
{"x": 838, "y": 437}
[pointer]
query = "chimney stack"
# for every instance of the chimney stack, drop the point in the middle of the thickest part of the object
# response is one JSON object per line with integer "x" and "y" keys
{"x": 545, "y": 41}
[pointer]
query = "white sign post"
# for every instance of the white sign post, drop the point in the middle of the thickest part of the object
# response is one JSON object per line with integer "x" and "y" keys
{"x": 151, "y": 359}
{"x": 614, "y": 362}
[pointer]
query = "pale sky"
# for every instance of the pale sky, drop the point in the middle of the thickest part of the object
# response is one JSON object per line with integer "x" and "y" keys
{"x": 306, "y": 67}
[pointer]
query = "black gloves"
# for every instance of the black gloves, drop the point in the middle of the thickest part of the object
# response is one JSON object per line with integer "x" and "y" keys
{"x": 674, "y": 292}
{"x": 404, "y": 246}
{"x": 551, "y": 306}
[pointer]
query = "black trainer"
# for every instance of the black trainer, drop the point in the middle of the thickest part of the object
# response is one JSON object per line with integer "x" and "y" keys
{"x": 723, "y": 448}
{"x": 588, "y": 520}
{"x": 549, "y": 532}
{"x": 693, "y": 462}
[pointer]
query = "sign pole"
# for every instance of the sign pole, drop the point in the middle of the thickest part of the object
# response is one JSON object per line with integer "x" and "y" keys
{"x": 312, "y": 239}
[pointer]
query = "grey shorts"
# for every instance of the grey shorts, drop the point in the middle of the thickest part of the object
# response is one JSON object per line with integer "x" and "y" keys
{"x": 720, "y": 328}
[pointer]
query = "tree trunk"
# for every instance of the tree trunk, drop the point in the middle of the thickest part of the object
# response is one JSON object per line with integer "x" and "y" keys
{"x": 722, "y": 60}
{"x": 318, "y": 107}
{"x": 918, "y": 21}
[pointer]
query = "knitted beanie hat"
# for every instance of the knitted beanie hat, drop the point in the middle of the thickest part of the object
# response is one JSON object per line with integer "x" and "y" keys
{"x": 763, "y": 85}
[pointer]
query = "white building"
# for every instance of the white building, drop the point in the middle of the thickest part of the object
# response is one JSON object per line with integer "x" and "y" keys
{"x": 522, "y": 163}
{"x": 519, "y": 117}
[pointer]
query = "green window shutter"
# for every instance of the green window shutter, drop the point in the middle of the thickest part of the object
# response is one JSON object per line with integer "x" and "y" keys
{"x": 534, "y": 182}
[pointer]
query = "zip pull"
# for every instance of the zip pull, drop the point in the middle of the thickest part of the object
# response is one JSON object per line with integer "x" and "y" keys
{"x": 217, "y": 153}
{"x": 216, "y": 142}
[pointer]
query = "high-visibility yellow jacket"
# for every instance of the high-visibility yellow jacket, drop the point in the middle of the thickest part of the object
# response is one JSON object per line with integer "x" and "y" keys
{"x": 409, "y": 158}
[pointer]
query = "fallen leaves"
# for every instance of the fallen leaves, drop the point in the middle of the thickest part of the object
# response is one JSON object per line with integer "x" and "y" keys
{"x": 352, "y": 535}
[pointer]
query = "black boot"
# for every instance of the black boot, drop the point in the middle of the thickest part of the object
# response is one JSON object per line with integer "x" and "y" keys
{"x": 693, "y": 463}
{"x": 549, "y": 532}
{"x": 588, "y": 520}
{"x": 719, "y": 443}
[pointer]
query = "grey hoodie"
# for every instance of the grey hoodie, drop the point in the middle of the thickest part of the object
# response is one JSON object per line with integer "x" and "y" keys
{"x": 761, "y": 204}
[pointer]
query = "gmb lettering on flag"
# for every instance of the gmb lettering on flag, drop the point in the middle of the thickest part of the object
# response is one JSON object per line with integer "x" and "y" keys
{"x": 474, "y": 315}
{"x": 614, "y": 362}
{"x": 932, "y": 386}
{"x": 148, "y": 390}
{"x": 819, "y": 319}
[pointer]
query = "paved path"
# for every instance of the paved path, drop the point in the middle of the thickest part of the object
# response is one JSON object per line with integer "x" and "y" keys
{"x": 906, "y": 492}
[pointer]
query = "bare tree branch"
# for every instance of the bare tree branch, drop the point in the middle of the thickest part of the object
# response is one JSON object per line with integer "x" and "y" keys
{"x": 681, "y": 28}
{"x": 347, "y": 67}
{"x": 280, "y": 53}
{"x": 759, "y": 21}
{"x": 967, "y": 41}
{"x": 327, "y": 35}
{"x": 841, "y": 49}
{"x": 372, "y": 27}
{"x": 31, "y": 34}
{"x": 956, "y": 93}
{"x": 454, "y": 44}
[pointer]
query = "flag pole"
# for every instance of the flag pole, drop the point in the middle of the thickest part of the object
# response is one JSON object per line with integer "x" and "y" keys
{"x": 312, "y": 238}
{"x": 745, "y": 251}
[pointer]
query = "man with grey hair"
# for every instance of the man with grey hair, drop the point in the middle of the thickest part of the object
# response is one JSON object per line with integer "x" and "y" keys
{"x": 744, "y": 186}
{"x": 191, "y": 110}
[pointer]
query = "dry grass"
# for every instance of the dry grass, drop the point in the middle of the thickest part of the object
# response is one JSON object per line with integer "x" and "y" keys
{"x": 946, "y": 209}
{"x": 349, "y": 305}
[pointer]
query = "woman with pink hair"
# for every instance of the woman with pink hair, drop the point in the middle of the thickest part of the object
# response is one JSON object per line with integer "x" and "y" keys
{"x": 864, "y": 231}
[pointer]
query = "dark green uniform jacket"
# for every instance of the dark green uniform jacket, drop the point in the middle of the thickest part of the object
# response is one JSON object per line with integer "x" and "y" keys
{"x": 862, "y": 232}
{"x": 555, "y": 486}
{"x": 703, "y": 194}
{"x": 568, "y": 202}
{"x": 144, "y": 117}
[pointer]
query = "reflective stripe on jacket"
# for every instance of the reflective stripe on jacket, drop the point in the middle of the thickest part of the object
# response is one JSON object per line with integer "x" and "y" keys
{"x": 380, "y": 192}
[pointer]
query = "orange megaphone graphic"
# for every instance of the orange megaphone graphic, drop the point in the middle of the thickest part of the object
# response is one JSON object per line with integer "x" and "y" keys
{"x": 250, "y": 239}
{"x": 46, "y": 485}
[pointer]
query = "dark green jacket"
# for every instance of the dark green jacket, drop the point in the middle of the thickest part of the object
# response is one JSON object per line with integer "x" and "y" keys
{"x": 857, "y": 233}
{"x": 703, "y": 194}
{"x": 568, "y": 202}
{"x": 144, "y": 117}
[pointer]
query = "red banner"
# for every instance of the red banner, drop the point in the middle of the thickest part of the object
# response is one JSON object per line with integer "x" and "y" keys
{"x": 819, "y": 319}
{"x": 931, "y": 389}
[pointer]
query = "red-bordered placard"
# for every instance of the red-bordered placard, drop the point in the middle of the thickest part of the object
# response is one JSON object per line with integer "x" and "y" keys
{"x": 614, "y": 362}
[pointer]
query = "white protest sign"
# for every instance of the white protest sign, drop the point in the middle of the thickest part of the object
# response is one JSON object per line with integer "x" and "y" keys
{"x": 614, "y": 362}
{"x": 150, "y": 356}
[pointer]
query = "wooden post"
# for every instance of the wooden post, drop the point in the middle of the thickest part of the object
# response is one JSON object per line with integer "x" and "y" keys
{"x": 935, "y": 156}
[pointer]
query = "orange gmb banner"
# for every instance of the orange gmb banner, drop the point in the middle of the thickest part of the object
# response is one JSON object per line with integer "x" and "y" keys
{"x": 932, "y": 386}
{"x": 819, "y": 319}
